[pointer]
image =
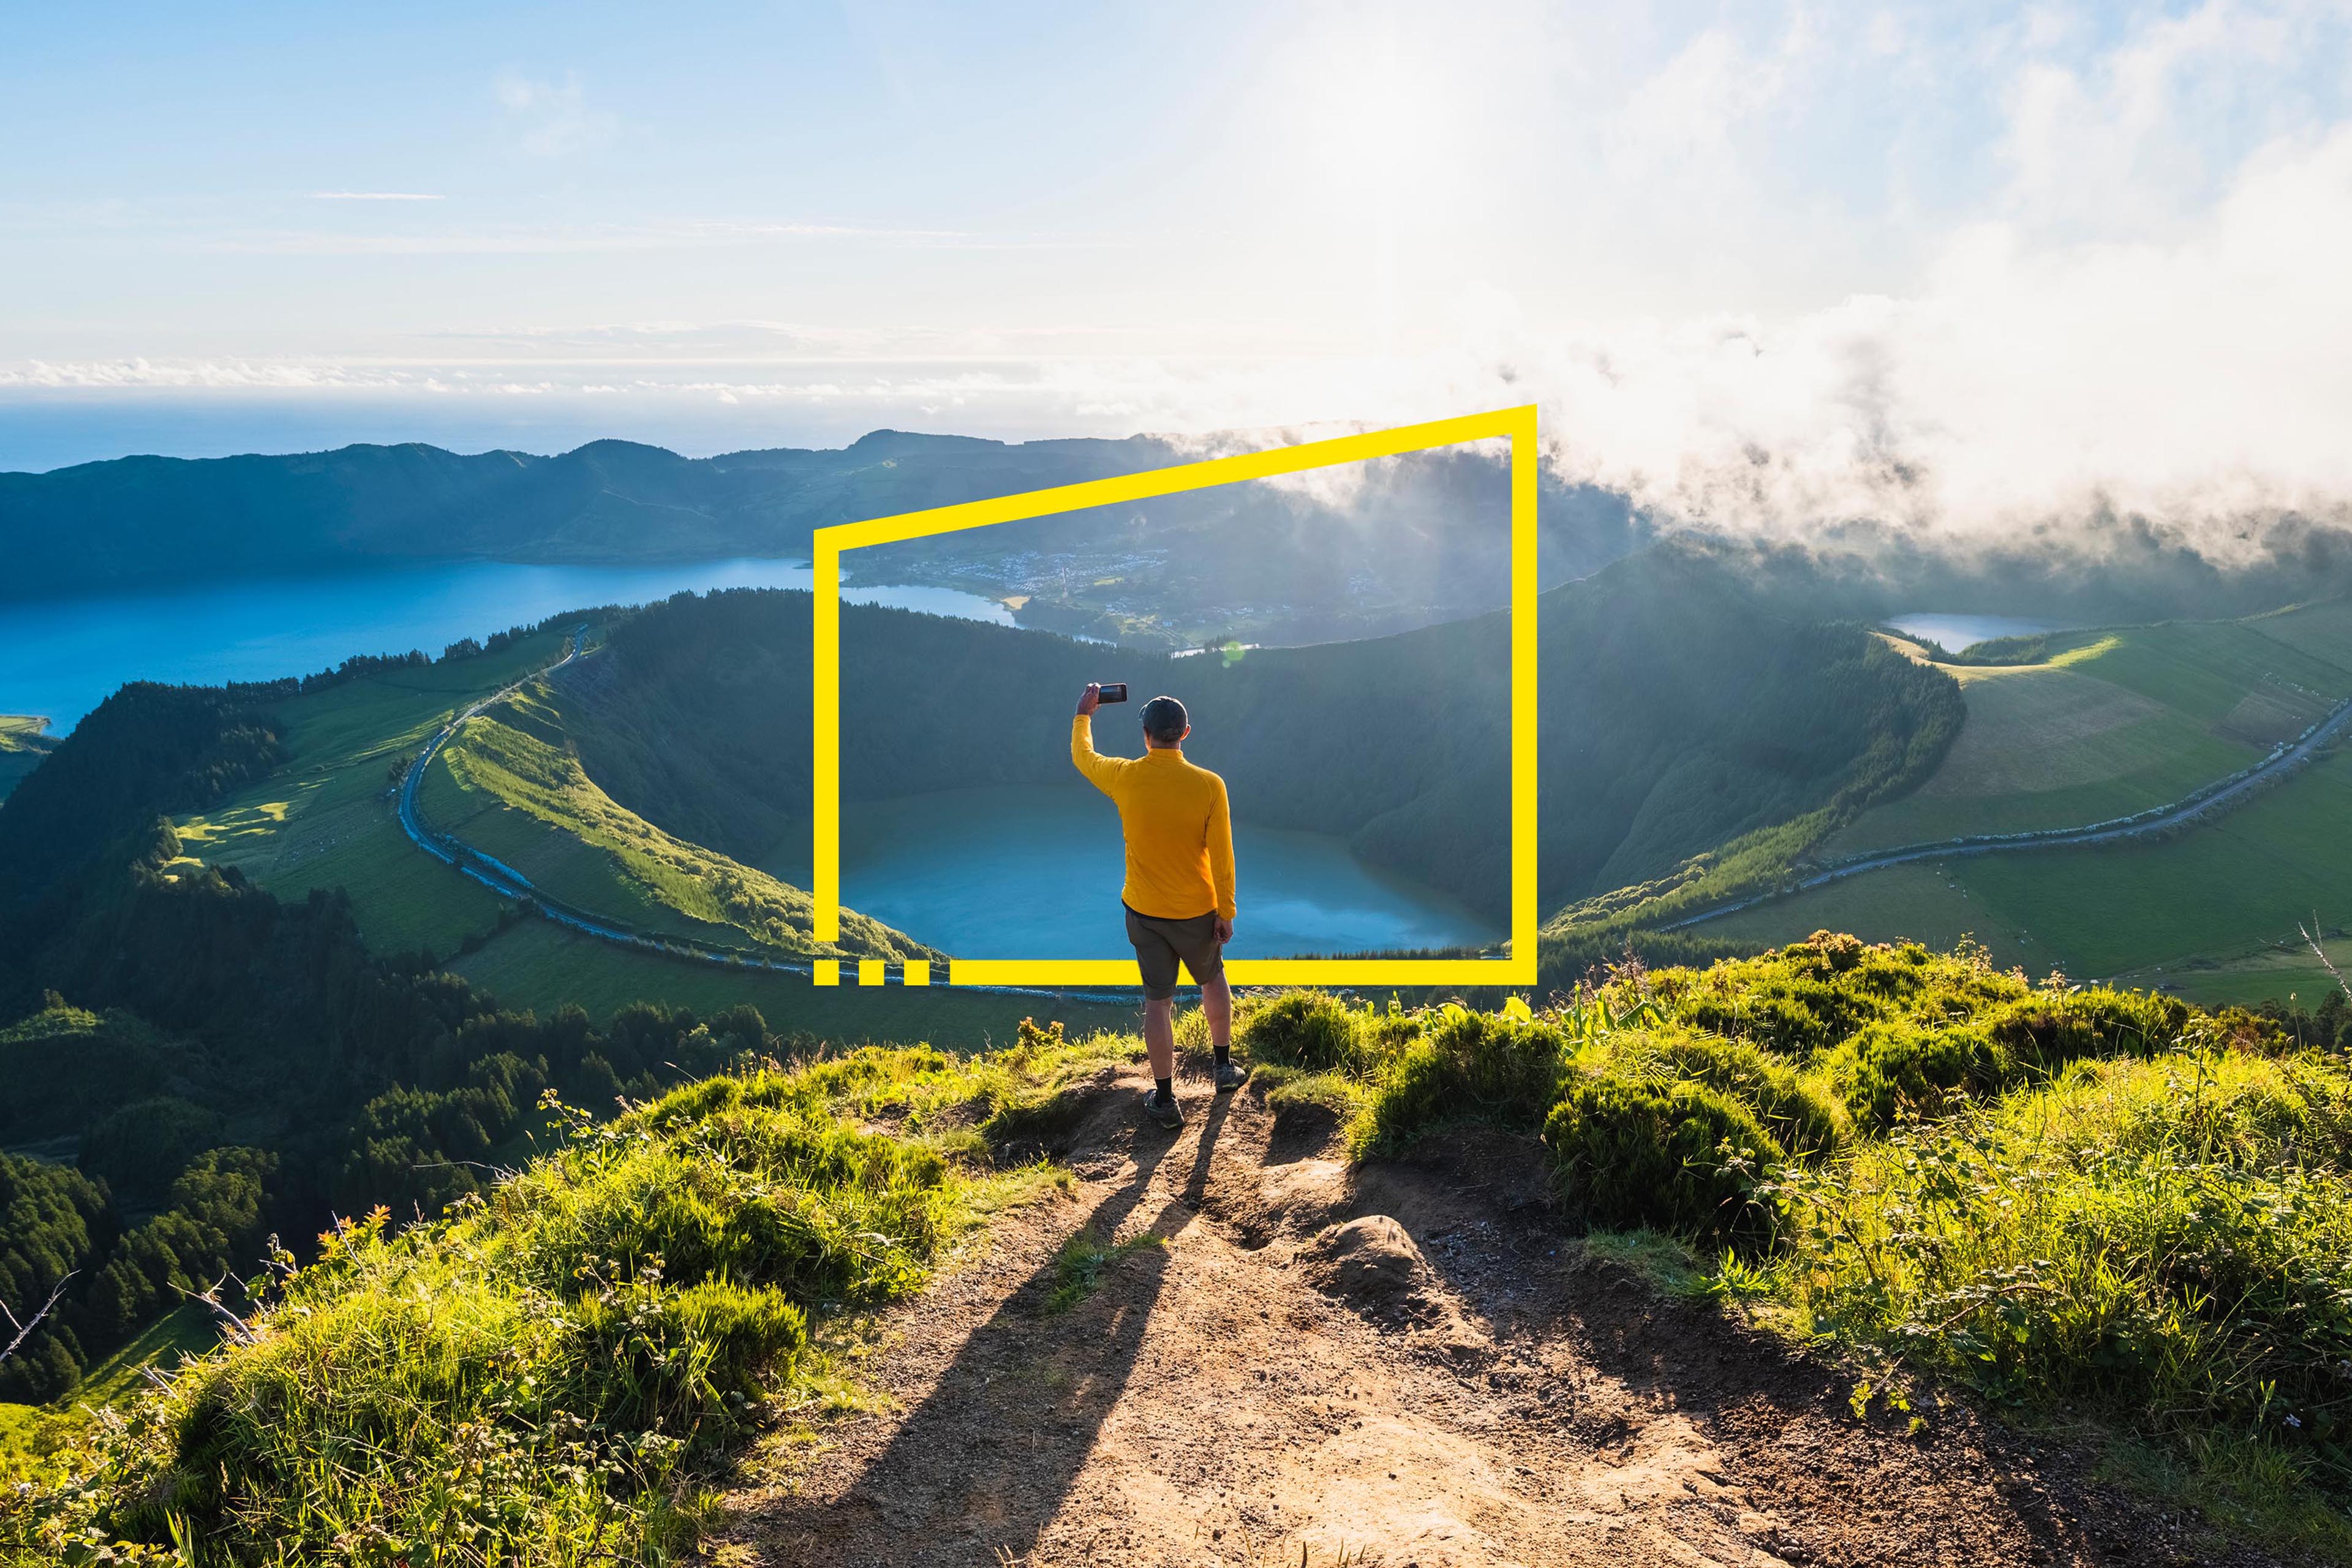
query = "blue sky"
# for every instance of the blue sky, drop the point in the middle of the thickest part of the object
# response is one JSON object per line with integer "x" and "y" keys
{"x": 1842, "y": 232}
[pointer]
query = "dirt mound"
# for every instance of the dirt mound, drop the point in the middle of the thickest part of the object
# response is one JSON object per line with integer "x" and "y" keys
{"x": 1374, "y": 1260}
{"x": 1290, "y": 1359}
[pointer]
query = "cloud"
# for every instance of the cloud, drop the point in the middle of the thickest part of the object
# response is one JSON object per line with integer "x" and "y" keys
{"x": 373, "y": 196}
{"x": 144, "y": 374}
{"x": 553, "y": 119}
{"x": 579, "y": 239}
{"x": 2123, "y": 297}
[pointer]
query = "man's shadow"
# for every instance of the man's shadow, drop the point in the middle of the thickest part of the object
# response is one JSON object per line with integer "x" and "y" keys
{"x": 984, "y": 1464}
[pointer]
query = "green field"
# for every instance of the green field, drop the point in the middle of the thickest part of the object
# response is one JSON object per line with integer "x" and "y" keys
{"x": 162, "y": 1344}
{"x": 325, "y": 818}
{"x": 542, "y": 966}
{"x": 508, "y": 784}
{"x": 23, "y": 742}
{"x": 2211, "y": 912}
{"x": 2285, "y": 969}
{"x": 2322, "y": 630}
{"x": 2119, "y": 721}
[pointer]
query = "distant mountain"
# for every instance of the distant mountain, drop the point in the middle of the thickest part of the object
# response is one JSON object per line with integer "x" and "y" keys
{"x": 133, "y": 521}
{"x": 150, "y": 518}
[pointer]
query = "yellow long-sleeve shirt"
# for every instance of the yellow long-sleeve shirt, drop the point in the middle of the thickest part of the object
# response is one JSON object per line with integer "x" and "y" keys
{"x": 1180, "y": 832}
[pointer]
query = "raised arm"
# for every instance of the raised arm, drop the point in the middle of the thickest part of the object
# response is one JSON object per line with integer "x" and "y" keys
{"x": 1221, "y": 858}
{"x": 1098, "y": 768}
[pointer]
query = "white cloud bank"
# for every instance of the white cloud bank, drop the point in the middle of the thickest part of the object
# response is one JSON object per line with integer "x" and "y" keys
{"x": 2141, "y": 308}
{"x": 2195, "y": 381}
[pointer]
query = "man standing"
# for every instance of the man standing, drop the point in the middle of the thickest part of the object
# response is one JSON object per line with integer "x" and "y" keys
{"x": 1179, "y": 882}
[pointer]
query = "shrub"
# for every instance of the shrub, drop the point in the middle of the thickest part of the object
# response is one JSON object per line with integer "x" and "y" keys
{"x": 1802, "y": 1115}
{"x": 1680, "y": 1157}
{"x": 1930, "y": 1064}
{"x": 1892, "y": 1065}
{"x": 1320, "y": 1033}
{"x": 1472, "y": 1067}
{"x": 2048, "y": 1029}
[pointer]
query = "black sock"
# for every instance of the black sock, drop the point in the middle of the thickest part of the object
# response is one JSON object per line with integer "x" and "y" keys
{"x": 1225, "y": 1054}
{"x": 1167, "y": 1090}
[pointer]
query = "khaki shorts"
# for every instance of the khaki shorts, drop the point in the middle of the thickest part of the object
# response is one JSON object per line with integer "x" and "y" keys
{"x": 1160, "y": 945}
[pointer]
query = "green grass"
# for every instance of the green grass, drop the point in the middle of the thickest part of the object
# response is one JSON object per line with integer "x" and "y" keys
{"x": 541, "y": 965}
{"x": 1928, "y": 901}
{"x": 506, "y": 785}
{"x": 1078, "y": 1266}
{"x": 2208, "y": 668}
{"x": 2108, "y": 1217}
{"x": 553, "y": 1375}
{"x": 2166, "y": 1244}
{"x": 2117, "y": 721}
{"x": 2322, "y": 630}
{"x": 2227, "y": 890}
{"x": 325, "y": 818}
{"x": 2088, "y": 1206}
{"x": 29, "y": 1433}
{"x": 2287, "y": 971}
{"x": 164, "y": 1345}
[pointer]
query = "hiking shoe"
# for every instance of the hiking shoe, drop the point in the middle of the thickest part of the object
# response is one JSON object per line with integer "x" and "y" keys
{"x": 1231, "y": 1075}
{"x": 1162, "y": 1108}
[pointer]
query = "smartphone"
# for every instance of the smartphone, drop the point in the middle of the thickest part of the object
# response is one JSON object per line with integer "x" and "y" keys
{"x": 1116, "y": 691}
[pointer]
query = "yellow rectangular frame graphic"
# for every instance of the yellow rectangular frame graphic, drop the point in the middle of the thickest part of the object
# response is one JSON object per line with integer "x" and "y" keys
{"x": 1517, "y": 425}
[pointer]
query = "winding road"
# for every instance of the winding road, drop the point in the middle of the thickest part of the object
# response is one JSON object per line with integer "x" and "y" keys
{"x": 508, "y": 883}
{"x": 2215, "y": 796}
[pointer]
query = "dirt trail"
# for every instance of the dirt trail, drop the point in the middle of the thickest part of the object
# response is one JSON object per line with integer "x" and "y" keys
{"x": 1445, "y": 1381}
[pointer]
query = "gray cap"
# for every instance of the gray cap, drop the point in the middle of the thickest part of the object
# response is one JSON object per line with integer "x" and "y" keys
{"x": 1165, "y": 720}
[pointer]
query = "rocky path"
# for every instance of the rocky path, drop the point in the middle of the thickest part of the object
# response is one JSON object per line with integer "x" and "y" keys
{"x": 1296, "y": 1361}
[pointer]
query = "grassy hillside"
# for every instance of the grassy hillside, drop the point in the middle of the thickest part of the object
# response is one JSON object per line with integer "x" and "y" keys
{"x": 2203, "y": 901}
{"x": 234, "y": 1066}
{"x": 323, "y": 819}
{"x": 507, "y": 785}
{"x": 1975, "y": 1185}
{"x": 23, "y": 742}
{"x": 2108, "y": 722}
{"x": 582, "y": 1349}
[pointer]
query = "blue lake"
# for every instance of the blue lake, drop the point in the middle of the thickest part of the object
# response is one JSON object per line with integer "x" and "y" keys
{"x": 1035, "y": 872}
{"x": 1954, "y": 633}
{"x": 61, "y": 658}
